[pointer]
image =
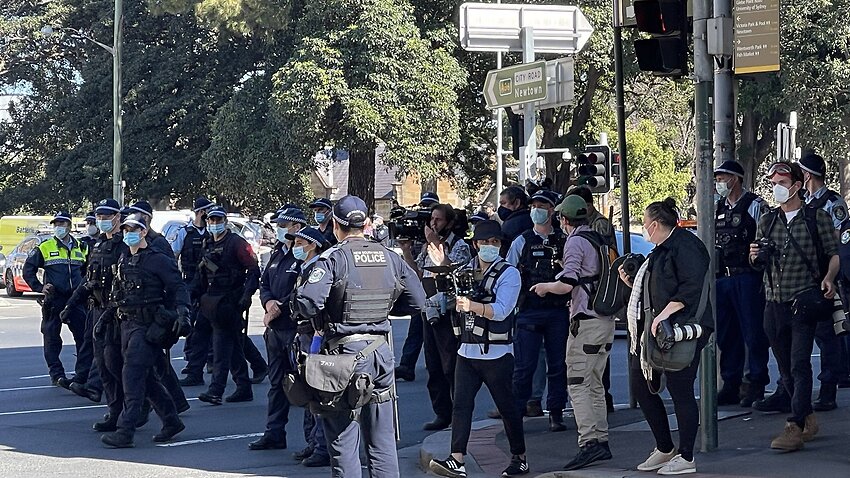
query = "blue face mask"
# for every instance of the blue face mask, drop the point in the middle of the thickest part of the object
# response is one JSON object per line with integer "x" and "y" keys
{"x": 539, "y": 215}
{"x": 281, "y": 233}
{"x": 299, "y": 253}
{"x": 105, "y": 225}
{"x": 60, "y": 231}
{"x": 488, "y": 253}
{"x": 320, "y": 217}
{"x": 132, "y": 238}
{"x": 216, "y": 229}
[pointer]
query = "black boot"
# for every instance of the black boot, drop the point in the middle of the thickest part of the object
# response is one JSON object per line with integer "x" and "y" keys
{"x": 754, "y": 394}
{"x": 556, "y": 421}
{"x": 118, "y": 440}
{"x": 168, "y": 432}
{"x": 241, "y": 395}
{"x": 826, "y": 398}
{"x": 779, "y": 401}
{"x": 730, "y": 394}
{"x": 107, "y": 425}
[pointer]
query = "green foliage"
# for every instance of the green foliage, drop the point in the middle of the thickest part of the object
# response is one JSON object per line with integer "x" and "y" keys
{"x": 652, "y": 169}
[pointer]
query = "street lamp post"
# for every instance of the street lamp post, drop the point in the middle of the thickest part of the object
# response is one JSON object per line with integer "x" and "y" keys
{"x": 115, "y": 51}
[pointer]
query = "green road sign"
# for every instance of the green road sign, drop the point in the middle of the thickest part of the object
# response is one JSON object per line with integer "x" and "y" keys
{"x": 516, "y": 85}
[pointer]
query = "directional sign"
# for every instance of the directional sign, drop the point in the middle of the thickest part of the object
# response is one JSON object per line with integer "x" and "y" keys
{"x": 756, "y": 38}
{"x": 496, "y": 27}
{"x": 560, "y": 82}
{"x": 514, "y": 85}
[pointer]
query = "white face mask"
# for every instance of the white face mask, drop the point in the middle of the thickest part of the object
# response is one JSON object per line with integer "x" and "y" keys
{"x": 646, "y": 236}
{"x": 92, "y": 230}
{"x": 722, "y": 188}
{"x": 781, "y": 194}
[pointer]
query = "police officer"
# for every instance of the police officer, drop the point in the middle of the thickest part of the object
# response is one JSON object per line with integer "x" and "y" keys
{"x": 92, "y": 232}
{"x": 94, "y": 292}
{"x": 740, "y": 302}
{"x": 844, "y": 276}
{"x": 155, "y": 240}
{"x": 228, "y": 277}
{"x": 147, "y": 286}
{"x": 276, "y": 286}
{"x": 354, "y": 285}
{"x": 833, "y": 362}
{"x": 514, "y": 213}
{"x": 63, "y": 260}
{"x": 188, "y": 247}
{"x": 322, "y": 214}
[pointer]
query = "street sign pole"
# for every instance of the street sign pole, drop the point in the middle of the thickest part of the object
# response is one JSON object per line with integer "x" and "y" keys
{"x": 500, "y": 159}
{"x": 529, "y": 155}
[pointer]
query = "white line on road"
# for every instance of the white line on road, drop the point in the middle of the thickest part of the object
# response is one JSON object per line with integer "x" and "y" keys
{"x": 212, "y": 439}
{"x": 47, "y": 410}
{"x": 26, "y": 388}
{"x": 33, "y": 376}
{"x": 176, "y": 358}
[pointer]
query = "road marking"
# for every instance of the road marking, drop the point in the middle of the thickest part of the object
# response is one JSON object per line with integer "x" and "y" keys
{"x": 33, "y": 376}
{"x": 212, "y": 439}
{"x": 26, "y": 388}
{"x": 176, "y": 358}
{"x": 48, "y": 410}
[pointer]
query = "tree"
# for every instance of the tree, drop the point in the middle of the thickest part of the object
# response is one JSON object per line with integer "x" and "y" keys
{"x": 361, "y": 75}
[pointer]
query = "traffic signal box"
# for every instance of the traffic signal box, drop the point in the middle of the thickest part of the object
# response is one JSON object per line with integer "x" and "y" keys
{"x": 665, "y": 53}
{"x": 594, "y": 168}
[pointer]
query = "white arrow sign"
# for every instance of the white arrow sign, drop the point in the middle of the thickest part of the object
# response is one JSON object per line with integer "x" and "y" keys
{"x": 497, "y": 26}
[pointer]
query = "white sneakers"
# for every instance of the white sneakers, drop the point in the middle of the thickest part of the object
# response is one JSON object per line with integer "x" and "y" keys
{"x": 668, "y": 463}
{"x": 657, "y": 459}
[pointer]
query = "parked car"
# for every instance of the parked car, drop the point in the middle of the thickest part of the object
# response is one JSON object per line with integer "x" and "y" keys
{"x": 13, "y": 269}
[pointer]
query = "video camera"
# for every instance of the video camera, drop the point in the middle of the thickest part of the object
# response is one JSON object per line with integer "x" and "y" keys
{"x": 452, "y": 282}
{"x": 409, "y": 224}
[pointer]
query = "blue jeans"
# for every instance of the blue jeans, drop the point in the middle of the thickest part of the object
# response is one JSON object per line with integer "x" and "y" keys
{"x": 740, "y": 329}
{"x": 548, "y": 327}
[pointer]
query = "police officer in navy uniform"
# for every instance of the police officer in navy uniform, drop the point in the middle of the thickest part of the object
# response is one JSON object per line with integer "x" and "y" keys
{"x": 740, "y": 302}
{"x": 276, "y": 286}
{"x": 188, "y": 247}
{"x": 514, "y": 213}
{"x": 348, "y": 297}
{"x": 833, "y": 361}
{"x": 94, "y": 292}
{"x": 844, "y": 278}
{"x": 322, "y": 214}
{"x": 63, "y": 260}
{"x": 147, "y": 285}
{"x": 92, "y": 232}
{"x": 228, "y": 277}
{"x": 155, "y": 240}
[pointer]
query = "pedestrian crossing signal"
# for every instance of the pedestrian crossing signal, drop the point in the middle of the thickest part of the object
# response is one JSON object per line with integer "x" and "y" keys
{"x": 594, "y": 169}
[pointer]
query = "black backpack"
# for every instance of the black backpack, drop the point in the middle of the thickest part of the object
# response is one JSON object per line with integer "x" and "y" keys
{"x": 603, "y": 289}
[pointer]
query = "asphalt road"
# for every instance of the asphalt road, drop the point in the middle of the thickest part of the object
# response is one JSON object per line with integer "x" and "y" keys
{"x": 46, "y": 431}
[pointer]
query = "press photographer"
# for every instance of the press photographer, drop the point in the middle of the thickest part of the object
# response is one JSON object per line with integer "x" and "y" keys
{"x": 797, "y": 248}
{"x": 444, "y": 245}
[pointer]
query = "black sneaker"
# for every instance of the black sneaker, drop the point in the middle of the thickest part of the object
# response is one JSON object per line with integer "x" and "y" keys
{"x": 518, "y": 466}
{"x": 591, "y": 452}
{"x": 448, "y": 467}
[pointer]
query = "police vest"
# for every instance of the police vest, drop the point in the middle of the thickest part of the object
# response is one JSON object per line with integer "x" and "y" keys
{"x": 136, "y": 288}
{"x": 844, "y": 253}
{"x": 368, "y": 292}
{"x": 735, "y": 231}
{"x": 61, "y": 263}
{"x": 471, "y": 328}
{"x": 537, "y": 264}
{"x": 192, "y": 252}
{"x": 224, "y": 273}
{"x": 99, "y": 272}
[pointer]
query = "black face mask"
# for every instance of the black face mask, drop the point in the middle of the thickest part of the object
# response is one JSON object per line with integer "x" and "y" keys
{"x": 204, "y": 217}
{"x": 503, "y": 213}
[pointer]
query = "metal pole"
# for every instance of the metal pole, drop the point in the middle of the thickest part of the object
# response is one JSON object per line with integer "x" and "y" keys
{"x": 792, "y": 135}
{"x": 625, "y": 216}
{"x": 529, "y": 111}
{"x": 500, "y": 159}
{"x": 704, "y": 71}
{"x": 117, "y": 190}
{"x": 724, "y": 102}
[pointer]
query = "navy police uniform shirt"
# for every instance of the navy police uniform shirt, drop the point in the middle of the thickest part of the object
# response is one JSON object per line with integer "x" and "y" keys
{"x": 277, "y": 283}
{"x": 161, "y": 268}
{"x": 236, "y": 255}
{"x": 844, "y": 252}
{"x": 331, "y": 270}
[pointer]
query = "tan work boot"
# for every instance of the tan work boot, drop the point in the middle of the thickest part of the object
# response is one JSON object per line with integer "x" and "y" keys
{"x": 791, "y": 438}
{"x": 811, "y": 428}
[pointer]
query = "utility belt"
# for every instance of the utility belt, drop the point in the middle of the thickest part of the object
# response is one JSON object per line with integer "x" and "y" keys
{"x": 734, "y": 271}
{"x": 158, "y": 319}
{"x": 329, "y": 382}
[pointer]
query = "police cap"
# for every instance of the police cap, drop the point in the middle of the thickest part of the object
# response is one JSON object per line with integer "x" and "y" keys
{"x": 216, "y": 211}
{"x": 487, "y": 229}
{"x": 730, "y": 167}
{"x": 321, "y": 203}
{"x": 90, "y": 217}
{"x": 429, "y": 198}
{"x": 310, "y": 234}
{"x": 61, "y": 216}
{"x": 478, "y": 217}
{"x": 544, "y": 195}
{"x": 107, "y": 207}
{"x": 135, "y": 220}
{"x": 351, "y": 211}
{"x": 143, "y": 207}
{"x": 291, "y": 215}
{"x": 201, "y": 203}
{"x": 813, "y": 164}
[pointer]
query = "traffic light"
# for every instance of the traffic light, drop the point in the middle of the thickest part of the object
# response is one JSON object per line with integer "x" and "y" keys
{"x": 594, "y": 168}
{"x": 665, "y": 53}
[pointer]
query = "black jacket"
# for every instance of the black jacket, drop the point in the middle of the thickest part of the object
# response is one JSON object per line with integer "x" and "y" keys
{"x": 277, "y": 283}
{"x": 677, "y": 269}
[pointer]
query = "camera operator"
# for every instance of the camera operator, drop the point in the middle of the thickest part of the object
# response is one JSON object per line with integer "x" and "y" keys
{"x": 740, "y": 303}
{"x": 515, "y": 215}
{"x": 406, "y": 369}
{"x": 542, "y": 319}
{"x": 786, "y": 247}
{"x": 442, "y": 247}
{"x": 833, "y": 360}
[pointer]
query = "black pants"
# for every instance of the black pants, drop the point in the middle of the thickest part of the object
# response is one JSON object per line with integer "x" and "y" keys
{"x": 107, "y": 347}
{"x": 681, "y": 387}
{"x": 166, "y": 374}
{"x": 85, "y": 369}
{"x": 197, "y": 354}
{"x": 229, "y": 356}
{"x": 279, "y": 350}
{"x": 792, "y": 341}
{"x": 413, "y": 343}
{"x": 833, "y": 366}
{"x": 498, "y": 376}
{"x": 51, "y": 330}
{"x": 440, "y": 357}
{"x": 254, "y": 357}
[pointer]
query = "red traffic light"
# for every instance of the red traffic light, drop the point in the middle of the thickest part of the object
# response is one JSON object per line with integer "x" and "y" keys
{"x": 660, "y": 17}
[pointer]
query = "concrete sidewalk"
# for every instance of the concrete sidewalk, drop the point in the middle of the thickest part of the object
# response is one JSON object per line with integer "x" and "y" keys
{"x": 744, "y": 449}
